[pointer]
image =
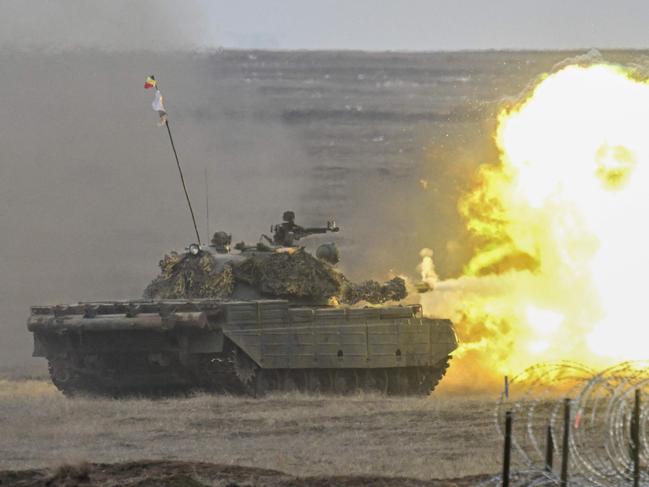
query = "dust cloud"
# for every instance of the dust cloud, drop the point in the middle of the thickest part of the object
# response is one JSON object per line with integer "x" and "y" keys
{"x": 90, "y": 194}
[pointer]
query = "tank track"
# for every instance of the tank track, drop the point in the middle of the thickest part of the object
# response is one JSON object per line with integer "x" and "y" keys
{"x": 116, "y": 376}
{"x": 66, "y": 378}
{"x": 232, "y": 372}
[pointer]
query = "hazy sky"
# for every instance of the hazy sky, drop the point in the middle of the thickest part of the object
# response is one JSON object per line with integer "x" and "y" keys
{"x": 430, "y": 24}
{"x": 324, "y": 24}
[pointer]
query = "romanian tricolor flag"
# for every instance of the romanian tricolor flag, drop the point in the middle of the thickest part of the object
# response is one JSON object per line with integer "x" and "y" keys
{"x": 150, "y": 82}
{"x": 158, "y": 103}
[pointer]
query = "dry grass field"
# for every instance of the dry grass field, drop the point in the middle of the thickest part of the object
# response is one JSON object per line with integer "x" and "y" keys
{"x": 438, "y": 437}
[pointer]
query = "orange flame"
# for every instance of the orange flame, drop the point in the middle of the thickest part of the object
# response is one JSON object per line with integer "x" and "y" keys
{"x": 559, "y": 220}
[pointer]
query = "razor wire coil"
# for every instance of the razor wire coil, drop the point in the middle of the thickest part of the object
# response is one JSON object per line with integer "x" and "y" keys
{"x": 601, "y": 422}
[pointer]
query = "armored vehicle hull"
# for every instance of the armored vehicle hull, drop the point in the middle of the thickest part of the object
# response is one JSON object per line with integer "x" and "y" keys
{"x": 239, "y": 347}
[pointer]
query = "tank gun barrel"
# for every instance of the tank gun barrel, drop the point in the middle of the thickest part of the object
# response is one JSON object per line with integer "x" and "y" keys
{"x": 423, "y": 287}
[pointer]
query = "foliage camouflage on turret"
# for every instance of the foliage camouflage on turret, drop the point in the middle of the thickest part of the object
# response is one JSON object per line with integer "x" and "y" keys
{"x": 185, "y": 276}
{"x": 294, "y": 275}
{"x": 297, "y": 274}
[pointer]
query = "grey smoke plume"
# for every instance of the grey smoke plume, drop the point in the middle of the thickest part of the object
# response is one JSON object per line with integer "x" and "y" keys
{"x": 115, "y": 25}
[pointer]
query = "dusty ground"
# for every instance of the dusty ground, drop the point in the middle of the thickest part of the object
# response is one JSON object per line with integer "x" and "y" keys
{"x": 193, "y": 474}
{"x": 441, "y": 437}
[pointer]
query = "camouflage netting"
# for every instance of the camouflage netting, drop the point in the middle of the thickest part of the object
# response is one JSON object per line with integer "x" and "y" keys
{"x": 374, "y": 292}
{"x": 185, "y": 276}
{"x": 296, "y": 275}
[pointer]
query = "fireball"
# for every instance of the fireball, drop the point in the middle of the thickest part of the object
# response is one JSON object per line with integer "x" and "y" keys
{"x": 560, "y": 223}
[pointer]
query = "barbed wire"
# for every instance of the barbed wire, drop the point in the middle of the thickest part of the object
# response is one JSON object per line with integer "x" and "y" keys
{"x": 601, "y": 421}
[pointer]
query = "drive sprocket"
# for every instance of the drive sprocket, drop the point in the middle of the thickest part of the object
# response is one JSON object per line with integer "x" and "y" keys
{"x": 244, "y": 367}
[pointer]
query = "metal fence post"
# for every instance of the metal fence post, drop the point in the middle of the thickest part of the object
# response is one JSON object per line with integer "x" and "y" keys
{"x": 635, "y": 439}
{"x": 549, "y": 449}
{"x": 565, "y": 457}
{"x": 508, "y": 448}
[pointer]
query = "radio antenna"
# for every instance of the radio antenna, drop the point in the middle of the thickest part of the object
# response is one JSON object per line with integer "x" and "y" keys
{"x": 207, "y": 205}
{"x": 158, "y": 106}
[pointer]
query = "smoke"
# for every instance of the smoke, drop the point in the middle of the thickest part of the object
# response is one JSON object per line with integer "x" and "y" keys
{"x": 90, "y": 198}
{"x": 115, "y": 25}
{"x": 427, "y": 268}
{"x": 589, "y": 58}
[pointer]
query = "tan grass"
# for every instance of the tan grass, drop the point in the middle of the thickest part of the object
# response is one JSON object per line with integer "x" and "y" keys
{"x": 436, "y": 437}
{"x": 12, "y": 388}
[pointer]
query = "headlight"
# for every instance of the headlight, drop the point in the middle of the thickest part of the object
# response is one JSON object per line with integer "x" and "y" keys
{"x": 194, "y": 249}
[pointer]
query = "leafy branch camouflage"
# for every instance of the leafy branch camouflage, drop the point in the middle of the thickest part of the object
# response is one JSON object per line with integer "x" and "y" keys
{"x": 295, "y": 275}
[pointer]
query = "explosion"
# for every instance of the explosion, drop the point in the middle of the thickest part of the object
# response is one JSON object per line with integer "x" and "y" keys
{"x": 559, "y": 221}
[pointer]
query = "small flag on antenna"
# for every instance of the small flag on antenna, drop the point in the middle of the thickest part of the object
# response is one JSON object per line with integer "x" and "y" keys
{"x": 158, "y": 106}
{"x": 150, "y": 83}
{"x": 158, "y": 101}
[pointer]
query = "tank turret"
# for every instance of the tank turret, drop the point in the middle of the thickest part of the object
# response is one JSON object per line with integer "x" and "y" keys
{"x": 273, "y": 268}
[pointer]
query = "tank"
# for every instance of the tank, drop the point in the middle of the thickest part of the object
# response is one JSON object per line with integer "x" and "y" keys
{"x": 249, "y": 320}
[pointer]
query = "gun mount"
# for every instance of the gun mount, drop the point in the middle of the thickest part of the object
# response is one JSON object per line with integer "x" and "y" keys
{"x": 287, "y": 233}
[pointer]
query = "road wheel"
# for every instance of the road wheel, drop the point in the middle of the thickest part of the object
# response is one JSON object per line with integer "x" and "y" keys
{"x": 344, "y": 381}
{"x": 373, "y": 380}
{"x": 264, "y": 382}
{"x": 381, "y": 378}
{"x": 291, "y": 382}
{"x": 398, "y": 382}
{"x": 314, "y": 382}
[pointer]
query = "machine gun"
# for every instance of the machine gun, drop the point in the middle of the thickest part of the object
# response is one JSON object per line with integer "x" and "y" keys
{"x": 287, "y": 233}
